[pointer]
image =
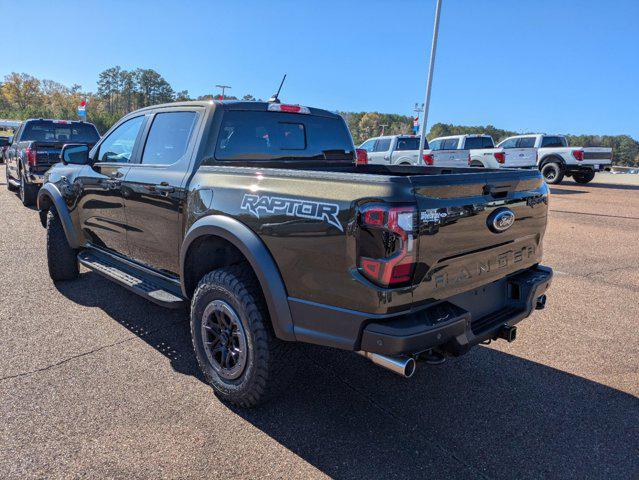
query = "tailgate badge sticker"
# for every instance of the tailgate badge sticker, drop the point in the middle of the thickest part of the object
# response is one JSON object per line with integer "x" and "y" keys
{"x": 501, "y": 220}
{"x": 292, "y": 207}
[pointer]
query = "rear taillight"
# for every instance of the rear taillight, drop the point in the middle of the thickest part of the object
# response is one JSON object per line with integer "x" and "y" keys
{"x": 578, "y": 154}
{"x": 500, "y": 157}
{"x": 32, "y": 156}
{"x": 386, "y": 244}
{"x": 428, "y": 159}
{"x": 362, "y": 157}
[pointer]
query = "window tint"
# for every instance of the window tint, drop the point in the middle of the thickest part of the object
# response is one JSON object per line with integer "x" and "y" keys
{"x": 250, "y": 135}
{"x": 478, "y": 142}
{"x": 526, "y": 142}
{"x": 409, "y": 143}
{"x": 168, "y": 137}
{"x": 450, "y": 144}
{"x": 553, "y": 142}
{"x": 118, "y": 146}
{"x": 382, "y": 145}
{"x": 510, "y": 143}
{"x": 435, "y": 145}
{"x": 368, "y": 144}
{"x": 60, "y": 131}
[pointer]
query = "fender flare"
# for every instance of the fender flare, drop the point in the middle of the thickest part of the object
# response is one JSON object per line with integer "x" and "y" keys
{"x": 552, "y": 158}
{"x": 258, "y": 256}
{"x": 50, "y": 193}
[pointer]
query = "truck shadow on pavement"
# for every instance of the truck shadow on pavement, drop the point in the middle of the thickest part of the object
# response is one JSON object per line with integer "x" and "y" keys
{"x": 488, "y": 414}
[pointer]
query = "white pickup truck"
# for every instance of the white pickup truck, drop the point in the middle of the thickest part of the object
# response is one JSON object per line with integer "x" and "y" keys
{"x": 556, "y": 159}
{"x": 450, "y": 152}
{"x": 474, "y": 150}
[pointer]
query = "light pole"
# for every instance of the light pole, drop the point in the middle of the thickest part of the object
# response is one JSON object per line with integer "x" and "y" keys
{"x": 431, "y": 65}
{"x": 223, "y": 87}
{"x": 383, "y": 126}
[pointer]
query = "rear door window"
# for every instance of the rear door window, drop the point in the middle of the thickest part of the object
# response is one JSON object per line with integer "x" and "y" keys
{"x": 168, "y": 138}
{"x": 526, "y": 142}
{"x": 409, "y": 143}
{"x": 450, "y": 144}
{"x": 255, "y": 136}
{"x": 553, "y": 142}
{"x": 382, "y": 145}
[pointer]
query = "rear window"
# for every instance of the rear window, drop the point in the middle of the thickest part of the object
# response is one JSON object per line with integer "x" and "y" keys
{"x": 50, "y": 131}
{"x": 409, "y": 143}
{"x": 249, "y": 135}
{"x": 478, "y": 142}
{"x": 554, "y": 142}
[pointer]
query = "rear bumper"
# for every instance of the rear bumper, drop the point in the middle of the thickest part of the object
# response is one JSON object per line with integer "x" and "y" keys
{"x": 453, "y": 325}
{"x": 596, "y": 167}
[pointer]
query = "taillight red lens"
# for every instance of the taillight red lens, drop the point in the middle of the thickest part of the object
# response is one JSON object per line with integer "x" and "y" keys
{"x": 390, "y": 264}
{"x": 32, "y": 156}
{"x": 500, "y": 157}
{"x": 428, "y": 159}
{"x": 578, "y": 154}
{"x": 362, "y": 157}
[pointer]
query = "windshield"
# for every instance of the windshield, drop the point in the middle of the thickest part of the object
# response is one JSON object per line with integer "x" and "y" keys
{"x": 51, "y": 131}
{"x": 249, "y": 135}
{"x": 478, "y": 142}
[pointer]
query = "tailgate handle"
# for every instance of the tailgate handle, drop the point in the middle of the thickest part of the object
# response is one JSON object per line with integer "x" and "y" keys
{"x": 495, "y": 191}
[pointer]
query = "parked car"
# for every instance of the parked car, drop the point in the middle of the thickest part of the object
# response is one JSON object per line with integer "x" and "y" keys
{"x": 36, "y": 146}
{"x": 4, "y": 144}
{"x": 556, "y": 159}
{"x": 472, "y": 150}
{"x": 256, "y": 215}
{"x": 397, "y": 150}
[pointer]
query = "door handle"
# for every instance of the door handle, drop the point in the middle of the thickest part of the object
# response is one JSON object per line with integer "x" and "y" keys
{"x": 163, "y": 188}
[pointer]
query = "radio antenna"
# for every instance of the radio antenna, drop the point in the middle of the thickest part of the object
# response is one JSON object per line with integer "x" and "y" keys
{"x": 275, "y": 98}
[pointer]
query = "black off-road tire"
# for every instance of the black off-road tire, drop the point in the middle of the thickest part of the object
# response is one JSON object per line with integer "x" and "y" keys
{"x": 553, "y": 173}
{"x": 584, "y": 177}
{"x": 28, "y": 192}
{"x": 61, "y": 258}
{"x": 267, "y": 367}
{"x": 10, "y": 186}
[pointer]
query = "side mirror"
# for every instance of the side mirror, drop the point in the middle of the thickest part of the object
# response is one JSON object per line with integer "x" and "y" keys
{"x": 75, "y": 154}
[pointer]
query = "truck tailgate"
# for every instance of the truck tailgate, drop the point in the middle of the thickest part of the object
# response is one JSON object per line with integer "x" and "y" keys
{"x": 459, "y": 247}
{"x": 597, "y": 156}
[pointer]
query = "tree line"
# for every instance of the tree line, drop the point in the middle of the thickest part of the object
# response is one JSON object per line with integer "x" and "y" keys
{"x": 121, "y": 91}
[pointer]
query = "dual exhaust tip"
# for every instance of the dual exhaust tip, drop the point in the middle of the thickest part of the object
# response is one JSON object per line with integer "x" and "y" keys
{"x": 404, "y": 366}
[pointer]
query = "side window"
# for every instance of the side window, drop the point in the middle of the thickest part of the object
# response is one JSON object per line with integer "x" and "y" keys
{"x": 383, "y": 144}
{"x": 526, "y": 142}
{"x": 168, "y": 138}
{"x": 553, "y": 142}
{"x": 510, "y": 143}
{"x": 368, "y": 145}
{"x": 450, "y": 144}
{"x": 435, "y": 145}
{"x": 118, "y": 146}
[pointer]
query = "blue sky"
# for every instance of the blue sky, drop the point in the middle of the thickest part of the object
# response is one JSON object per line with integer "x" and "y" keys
{"x": 562, "y": 66}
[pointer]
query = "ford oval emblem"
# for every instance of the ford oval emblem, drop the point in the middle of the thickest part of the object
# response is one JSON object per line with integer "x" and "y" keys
{"x": 501, "y": 220}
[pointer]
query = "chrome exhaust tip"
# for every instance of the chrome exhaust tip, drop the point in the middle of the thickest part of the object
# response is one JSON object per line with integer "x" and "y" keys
{"x": 404, "y": 366}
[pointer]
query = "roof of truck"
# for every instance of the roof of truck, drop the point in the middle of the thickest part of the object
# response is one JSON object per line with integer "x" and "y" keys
{"x": 232, "y": 105}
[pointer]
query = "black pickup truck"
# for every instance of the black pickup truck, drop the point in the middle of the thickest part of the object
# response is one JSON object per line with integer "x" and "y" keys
{"x": 36, "y": 146}
{"x": 256, "y": 216}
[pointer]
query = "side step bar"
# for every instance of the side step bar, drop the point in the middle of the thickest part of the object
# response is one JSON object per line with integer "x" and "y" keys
{"x": 150, "y": 285}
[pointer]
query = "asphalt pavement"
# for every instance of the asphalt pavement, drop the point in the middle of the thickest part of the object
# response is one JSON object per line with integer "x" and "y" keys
{"x": 95, "y": 382}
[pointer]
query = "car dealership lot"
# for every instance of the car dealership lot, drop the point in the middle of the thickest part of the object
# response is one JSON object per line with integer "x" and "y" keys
{"x": 97, "y": 382}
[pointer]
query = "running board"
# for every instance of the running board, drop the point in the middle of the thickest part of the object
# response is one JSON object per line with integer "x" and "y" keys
{"x": 145, "y": 283}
